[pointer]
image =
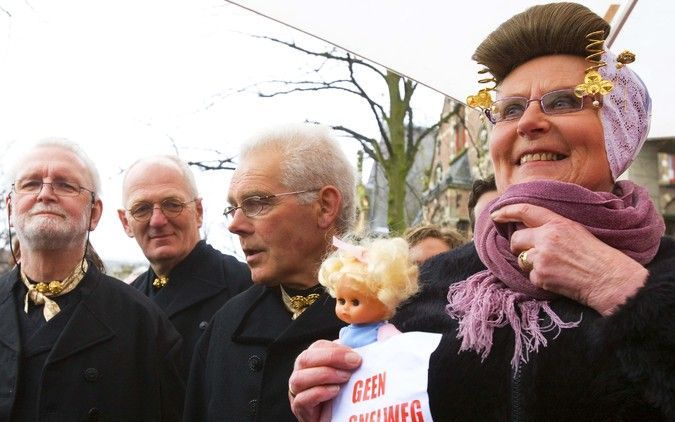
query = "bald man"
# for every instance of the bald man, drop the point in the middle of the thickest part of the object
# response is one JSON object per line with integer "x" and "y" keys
{"x": 187, "y": 278}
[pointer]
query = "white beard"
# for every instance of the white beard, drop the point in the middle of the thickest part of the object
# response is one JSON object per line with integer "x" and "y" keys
{"x": 42, "y": 232}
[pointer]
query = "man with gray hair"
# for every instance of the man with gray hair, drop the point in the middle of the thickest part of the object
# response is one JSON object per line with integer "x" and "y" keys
{"x": 292, "y": 191}
{"x": 76, "y": 344}
{"x": 187, "y": 278}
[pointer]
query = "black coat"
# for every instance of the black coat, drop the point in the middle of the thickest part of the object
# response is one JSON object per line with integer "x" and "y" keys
{"x": 116, "y": 359}
{"x": 617, "y": 368}
{"x": 198, "y": 286}
{"x": 242, "y": 363}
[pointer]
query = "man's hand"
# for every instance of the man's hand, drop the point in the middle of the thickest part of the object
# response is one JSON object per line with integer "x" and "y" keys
{"x": 317, "y": 375}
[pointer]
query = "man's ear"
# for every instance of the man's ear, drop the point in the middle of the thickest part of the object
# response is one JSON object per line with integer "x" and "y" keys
{"x": 199, "y": 212}
{"x": 8, "y": 201}
{"x": 330, "y": 204}
{"x": 96, "y": 212}
{"x": 122, "y": 214}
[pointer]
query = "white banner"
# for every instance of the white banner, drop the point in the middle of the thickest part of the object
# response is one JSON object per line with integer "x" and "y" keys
{"x": 391, "y": 384}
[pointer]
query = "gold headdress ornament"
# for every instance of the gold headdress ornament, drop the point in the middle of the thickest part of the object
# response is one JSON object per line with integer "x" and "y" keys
{"x": 483, "y": 99}
{"x": 593, "y": 85}
{"x": 624, "y": 58}
{"x": 593, "y": 82}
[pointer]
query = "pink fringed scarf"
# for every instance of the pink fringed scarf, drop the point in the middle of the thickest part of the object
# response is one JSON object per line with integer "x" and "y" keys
{"x": 625, "y": 219}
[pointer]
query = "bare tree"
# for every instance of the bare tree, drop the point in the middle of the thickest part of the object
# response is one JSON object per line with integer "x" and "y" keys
{"x": 399, "y": 136}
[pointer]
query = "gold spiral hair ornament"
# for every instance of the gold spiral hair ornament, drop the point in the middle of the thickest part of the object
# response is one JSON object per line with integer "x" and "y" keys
{"x": 596, "y": 48}
{"x": 594, "y": 85}
{"x": 483, "y": 99}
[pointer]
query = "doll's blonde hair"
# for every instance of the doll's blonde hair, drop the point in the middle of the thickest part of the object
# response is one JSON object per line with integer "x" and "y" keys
{"x": 387, "y": 273}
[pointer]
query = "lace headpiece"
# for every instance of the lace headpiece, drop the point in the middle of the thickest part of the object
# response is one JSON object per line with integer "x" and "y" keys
{"x": 626, "y": 112}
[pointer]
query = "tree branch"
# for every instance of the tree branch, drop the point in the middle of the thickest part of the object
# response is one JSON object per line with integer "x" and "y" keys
{"x": 225, "y": 164}
{"x": 479, "y": 152}
{"x": 321, "y": 86}
{"x": 369, "y": 145}
{"x": 411, "y": 131}
{"x": 324, "y": 54}
{"x": 408, "y": 90}
{"x": 374, "y": 106}
{"x": 430, "y": 129}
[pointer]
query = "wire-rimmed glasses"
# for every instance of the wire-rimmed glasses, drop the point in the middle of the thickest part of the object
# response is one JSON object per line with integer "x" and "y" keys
{"x": 560, "y": 101}
{"x": 170, "y": 207}
{"x": 60, "y": 188}
{"x": 254, "y": 205}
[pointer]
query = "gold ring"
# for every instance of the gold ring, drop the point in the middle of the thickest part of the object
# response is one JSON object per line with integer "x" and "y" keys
{"x": 524, "y": 263}
{"x": 290, "y": 392}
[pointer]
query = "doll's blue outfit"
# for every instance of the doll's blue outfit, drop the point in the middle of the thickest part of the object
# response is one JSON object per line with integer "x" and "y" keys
{"x": 357, "y": 335}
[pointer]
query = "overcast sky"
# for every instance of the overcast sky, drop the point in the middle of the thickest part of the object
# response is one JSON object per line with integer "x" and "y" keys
{"x": 132, "y": 78}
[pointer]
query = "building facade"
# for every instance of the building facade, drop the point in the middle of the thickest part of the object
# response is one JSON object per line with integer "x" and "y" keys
{"x": 460, "y": 157}
{"x": 654, "y": 168}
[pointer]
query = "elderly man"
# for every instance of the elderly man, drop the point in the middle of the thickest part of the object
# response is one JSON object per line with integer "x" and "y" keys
{"x": 292, "y": 191}
{"x": 76, "y": 344}
{"x": 187, "y": 278}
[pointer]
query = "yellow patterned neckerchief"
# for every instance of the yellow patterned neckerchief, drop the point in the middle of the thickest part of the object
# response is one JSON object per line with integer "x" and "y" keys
{"x": 40, "y": 293}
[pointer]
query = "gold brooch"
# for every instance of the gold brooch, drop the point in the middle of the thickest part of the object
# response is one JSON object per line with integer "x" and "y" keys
{"x": 296, "y": 305}
{"x": 593, "y": 84}
{"x": 483, "y": 99}
{"x": 54, "y": 287}
{"x": 160, "y": 281}
{"x": 624, "y": 58}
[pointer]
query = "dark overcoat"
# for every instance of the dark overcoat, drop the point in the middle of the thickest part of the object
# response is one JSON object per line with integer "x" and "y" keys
{"x": 242, "y": 363}
{"x": 198, "y": 286}
{"x": 616, "y": 368}
{"x": 115, "y": 360}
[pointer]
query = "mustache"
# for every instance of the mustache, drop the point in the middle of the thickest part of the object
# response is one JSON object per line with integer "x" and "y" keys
{"x": 158, "y": 233}
{"x": 47, "y": 209}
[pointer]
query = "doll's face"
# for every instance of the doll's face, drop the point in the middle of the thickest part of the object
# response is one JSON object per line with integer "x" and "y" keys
{"x": 357, "y": 306}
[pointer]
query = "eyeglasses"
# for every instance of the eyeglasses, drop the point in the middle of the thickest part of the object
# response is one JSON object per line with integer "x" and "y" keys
{"x": 34, "y": 187}
{"x": 170, "y": 207}
{"x": 555, "y": 102}
{"x": 254, "y": 205}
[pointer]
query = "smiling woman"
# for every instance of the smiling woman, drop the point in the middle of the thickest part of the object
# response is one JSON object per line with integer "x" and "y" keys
{"x": 563, "y": 307}
{"x": 533, "y": 142}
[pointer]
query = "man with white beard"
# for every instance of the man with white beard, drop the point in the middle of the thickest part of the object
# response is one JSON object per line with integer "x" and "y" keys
{"x": 75, "y": 344}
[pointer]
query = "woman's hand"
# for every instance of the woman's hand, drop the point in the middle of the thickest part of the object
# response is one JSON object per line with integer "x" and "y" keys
{"x": 568, "y": 260}
{"x": 317, "y": 375}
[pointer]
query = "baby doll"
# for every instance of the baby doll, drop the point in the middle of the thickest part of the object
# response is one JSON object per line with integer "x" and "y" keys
{"x": 368, "y": 282}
